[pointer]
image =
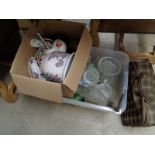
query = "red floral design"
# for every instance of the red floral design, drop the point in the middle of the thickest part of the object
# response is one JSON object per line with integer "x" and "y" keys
{"x": 58, "y": 44}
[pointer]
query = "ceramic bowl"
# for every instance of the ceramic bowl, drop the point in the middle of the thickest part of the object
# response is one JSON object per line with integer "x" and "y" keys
{"x": 57, "y": 46}
{"x": 55, "y": 66}
{"x": 33, "y": 68}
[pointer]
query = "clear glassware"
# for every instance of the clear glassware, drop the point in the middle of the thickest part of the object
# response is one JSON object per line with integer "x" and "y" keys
{"x": 91, "y": 76}
{"x": 110, "y": 69}
{"x": 109, "y": 66}
{"x": 105, "y": 89}
{"x": 99, "y": 94}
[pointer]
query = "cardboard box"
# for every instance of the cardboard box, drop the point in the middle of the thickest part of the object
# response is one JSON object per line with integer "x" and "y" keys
{"x": 45, "y": 89}
{"x": 24, "y": 23}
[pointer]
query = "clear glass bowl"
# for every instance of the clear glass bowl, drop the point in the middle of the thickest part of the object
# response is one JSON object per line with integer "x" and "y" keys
{"x": 109, "y": 66}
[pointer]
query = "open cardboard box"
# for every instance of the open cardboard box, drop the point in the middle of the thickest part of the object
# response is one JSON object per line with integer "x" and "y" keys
{"x": 45, "y": 89}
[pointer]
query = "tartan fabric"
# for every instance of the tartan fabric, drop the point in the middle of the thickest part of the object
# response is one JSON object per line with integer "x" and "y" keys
{"x": 140, "y": 109}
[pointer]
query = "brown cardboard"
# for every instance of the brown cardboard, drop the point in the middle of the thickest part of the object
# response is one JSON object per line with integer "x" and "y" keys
{"x": 51, "y": 90}
{"x": 24, "y": 23}
{"x": 79, "y": 62}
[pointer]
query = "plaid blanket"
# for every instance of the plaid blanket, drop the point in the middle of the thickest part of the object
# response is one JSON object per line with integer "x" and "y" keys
{"x": 140, "y": 109}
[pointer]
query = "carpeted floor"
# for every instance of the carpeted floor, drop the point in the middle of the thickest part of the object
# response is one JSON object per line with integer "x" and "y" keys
{"x": 33, "y": 116}
{"x": 30, "y": 115}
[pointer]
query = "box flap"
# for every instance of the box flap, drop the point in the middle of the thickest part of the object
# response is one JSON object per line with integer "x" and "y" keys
{"x": 79, "y": 62}
{"x": 54, "y": 27}
{"x": 39, "y": 88}
{"x": 19, "y": 65}
{"x": 67, "y": 92}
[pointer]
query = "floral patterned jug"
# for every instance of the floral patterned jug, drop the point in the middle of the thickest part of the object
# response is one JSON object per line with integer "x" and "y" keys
{"x": 52, "y": 67}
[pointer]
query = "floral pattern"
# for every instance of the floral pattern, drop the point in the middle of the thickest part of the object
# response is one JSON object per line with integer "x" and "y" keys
{"x": 59, "y": 57}
{"x": 38, "y": 60}
{"x": 54, "y": 78}
{"x": 59, "y": 63}
{"x": 56, "y": 55}
{"x": 49, "y": 66}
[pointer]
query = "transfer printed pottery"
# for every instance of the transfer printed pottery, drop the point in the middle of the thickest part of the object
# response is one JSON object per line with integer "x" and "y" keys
{"x": 53, "y": 66}
{"x": 57, "y": 46}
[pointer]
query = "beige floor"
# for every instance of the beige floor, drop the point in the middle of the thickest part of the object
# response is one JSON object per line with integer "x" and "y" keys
{"x": 30, "y": 115}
